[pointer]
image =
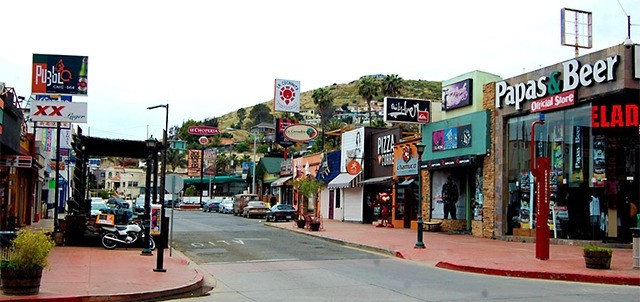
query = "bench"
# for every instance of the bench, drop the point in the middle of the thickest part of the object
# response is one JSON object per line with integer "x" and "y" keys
{"x": 432, "y": 226}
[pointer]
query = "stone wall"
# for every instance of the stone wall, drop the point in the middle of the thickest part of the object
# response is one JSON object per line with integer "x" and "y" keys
{"x": 491, "y": 205}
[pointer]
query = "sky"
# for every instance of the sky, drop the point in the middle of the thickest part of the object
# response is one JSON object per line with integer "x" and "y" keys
{"x": 209, "y": 58}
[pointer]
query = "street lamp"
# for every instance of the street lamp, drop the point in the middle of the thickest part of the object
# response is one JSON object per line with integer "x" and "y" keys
{"x": 151, "y": 147}
{"x": 159, "y": 262}
{"x": 253, "y": 177}
{"x": 419, "y": 243}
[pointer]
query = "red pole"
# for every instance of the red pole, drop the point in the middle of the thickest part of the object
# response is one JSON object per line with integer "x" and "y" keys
{"x": 541, "y": 172}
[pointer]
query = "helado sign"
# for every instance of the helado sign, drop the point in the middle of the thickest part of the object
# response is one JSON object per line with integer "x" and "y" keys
{"x": 573, "y": 74}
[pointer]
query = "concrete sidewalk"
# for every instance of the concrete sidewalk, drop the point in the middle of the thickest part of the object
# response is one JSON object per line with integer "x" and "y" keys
{"x": 97, "y": 274}
{"x": 478, "y": 255}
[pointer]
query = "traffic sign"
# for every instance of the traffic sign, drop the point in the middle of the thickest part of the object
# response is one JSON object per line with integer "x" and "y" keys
{"x": 173, "y": 183}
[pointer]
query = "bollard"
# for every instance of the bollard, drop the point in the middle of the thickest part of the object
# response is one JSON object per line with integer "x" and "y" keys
{"x": 636, "y": 247}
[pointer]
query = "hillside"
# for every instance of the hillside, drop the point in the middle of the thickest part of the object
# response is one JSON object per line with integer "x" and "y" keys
{"x": 347, "y": 94}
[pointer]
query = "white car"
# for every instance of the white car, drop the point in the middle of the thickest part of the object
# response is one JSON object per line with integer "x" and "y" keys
{"x": 226, "y": 207}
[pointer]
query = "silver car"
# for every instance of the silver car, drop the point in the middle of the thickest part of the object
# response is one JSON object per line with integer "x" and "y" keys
{"x": 226, "y": 207}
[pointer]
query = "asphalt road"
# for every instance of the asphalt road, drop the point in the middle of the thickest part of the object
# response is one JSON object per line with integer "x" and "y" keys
{"x": 248, "y": 261}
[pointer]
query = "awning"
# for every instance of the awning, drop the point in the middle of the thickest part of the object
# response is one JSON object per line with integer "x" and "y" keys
{"x": 280, "y": 181}
{"x": 384, "y": 180}
{"x": 406, "y": 182}
{"x": 345, "y": 180}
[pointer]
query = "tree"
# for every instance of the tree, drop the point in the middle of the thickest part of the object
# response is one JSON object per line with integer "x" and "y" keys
{"x": 213, "y": 122}
{"x": 392, "y": 85}
{"x": 176, "y": 159}
{"x": 260, "y": 113}
{"x": 323, "y": 98}
{"x": 242, "y": 114}
{"x": 368, "y": 88}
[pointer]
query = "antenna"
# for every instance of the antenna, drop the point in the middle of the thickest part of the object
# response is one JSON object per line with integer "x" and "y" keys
{"x": 576, "y": 29}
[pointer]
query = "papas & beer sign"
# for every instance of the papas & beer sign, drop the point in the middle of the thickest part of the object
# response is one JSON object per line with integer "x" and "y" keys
{"x": 573, "y": 75}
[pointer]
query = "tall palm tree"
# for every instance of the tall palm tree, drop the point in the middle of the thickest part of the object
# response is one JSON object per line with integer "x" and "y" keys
{"x": 175, "y": 159}
{"x": 323, "y": 98}
{"x": 392, "y": 85}
{"x": 368, "y": 88}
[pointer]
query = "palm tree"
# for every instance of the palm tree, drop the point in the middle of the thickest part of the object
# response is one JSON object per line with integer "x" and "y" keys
{"x": 392, "y": 85}
{"x": 368, "y": 88}
{"x": 323, "y": 98}
{"x": 175, "y": 159}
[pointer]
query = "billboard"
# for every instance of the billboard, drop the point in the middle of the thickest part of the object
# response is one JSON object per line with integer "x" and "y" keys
{"x": 457, "y": 95}
{"x": 400, "y": 110}
{"x": 286, "y": 96}
{"x": 281, "y": 124}
{"x": 193, "y": 162}
{"x": 59, "y": 74}
{"x": 45, "y": 111}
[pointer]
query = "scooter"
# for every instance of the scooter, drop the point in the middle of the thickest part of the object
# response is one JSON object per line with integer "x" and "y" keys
{"x": 124, "y": 234}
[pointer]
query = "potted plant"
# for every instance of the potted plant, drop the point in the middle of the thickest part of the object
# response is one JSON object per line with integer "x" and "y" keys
{"x": 28, "y": 255}
{"x": 308, "y": 187}
{"x": 597, "y": 257}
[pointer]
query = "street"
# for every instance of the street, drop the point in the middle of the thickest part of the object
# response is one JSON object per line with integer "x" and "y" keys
{"x": 254, "y": 262}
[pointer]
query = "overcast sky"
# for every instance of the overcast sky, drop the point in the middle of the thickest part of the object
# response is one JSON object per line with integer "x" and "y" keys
{"x": 208, "y": 58}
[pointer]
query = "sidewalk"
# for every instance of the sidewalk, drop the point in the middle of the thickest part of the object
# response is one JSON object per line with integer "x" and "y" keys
{"x": 478, "y": 255}
{"x": 97, "y": 274}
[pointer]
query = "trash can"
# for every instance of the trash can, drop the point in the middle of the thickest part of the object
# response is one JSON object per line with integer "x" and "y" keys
{"x": 635, "y": 232}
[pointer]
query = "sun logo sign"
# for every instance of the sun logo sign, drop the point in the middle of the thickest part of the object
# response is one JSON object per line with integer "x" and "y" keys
{"x": 287, "y": 96}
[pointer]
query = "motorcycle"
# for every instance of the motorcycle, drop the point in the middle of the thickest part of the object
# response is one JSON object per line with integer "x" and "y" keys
{"x": 124, "y": 234}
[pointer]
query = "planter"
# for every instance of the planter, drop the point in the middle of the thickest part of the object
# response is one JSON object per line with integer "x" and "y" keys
{"x": 314, "y": 226}
{"x": 597, "y": 259}
{"x": 301, "y": 223}
{"x": 21, "y": 282}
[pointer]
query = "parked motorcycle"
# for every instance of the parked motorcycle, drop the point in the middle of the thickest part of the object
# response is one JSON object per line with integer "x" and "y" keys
{"x": 124, "y": 234}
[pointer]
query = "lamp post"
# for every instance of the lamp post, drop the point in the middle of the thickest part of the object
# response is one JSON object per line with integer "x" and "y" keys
{"x": 419, "y": 243}
{"x": 151, "y": 147}
{"x": 253, "y": 177}
{"x": 162, "y": 243}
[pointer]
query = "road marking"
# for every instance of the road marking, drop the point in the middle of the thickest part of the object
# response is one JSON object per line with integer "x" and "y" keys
{"x": 268, "y": 260}
{"x": 253, "y": 239}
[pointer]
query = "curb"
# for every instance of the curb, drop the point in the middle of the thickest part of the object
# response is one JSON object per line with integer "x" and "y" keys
{"x": 615, "y": 280}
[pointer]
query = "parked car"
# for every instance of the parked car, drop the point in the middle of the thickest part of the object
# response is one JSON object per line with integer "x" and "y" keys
{"x": 96, "y": 207}
{"x": 211, "y": 205}
{"x": 255, "y": 208}
{"x": 226, "y": 207}
{"x": 281, "y": 212}
{"x": 241, "y": 200}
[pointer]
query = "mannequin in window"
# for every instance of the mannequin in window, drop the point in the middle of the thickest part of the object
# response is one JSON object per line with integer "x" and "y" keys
{"x": 611, "y": 189}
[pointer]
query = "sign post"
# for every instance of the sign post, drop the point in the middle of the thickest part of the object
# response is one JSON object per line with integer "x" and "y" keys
{"x": 173, "y": 184}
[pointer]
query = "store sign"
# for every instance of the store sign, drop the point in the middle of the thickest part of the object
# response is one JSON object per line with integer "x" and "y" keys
{"x": 385, "y": 149}
{"x": 457, "y": 95}
{"x": 406, "y": 162}
{"x": 553, "y": 102}
{"x": 300, "y": 133}
{"x": 46, "y": 111}
{"x": 406, "y": 110}
{"x": 614, "y": 115}
{"x": 203, "y": 130}
{"x": 572, "y": 76}
{"x": 59, "y": 74}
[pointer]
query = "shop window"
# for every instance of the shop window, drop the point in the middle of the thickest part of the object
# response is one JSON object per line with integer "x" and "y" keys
{"x": 583, "y": 161}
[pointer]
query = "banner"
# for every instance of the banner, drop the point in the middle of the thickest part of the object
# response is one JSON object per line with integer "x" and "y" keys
{"x": 193, "y": 162}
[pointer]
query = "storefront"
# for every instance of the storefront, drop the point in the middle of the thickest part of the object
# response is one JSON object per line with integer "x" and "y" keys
{"x": 590, "y": 134}
{"x": 351, "y": 171}
{"x": 455, "y": 149}
{"x": 281, "y": 187}
{"x": 379, "y": 173}
{"x": 306, "y": 167}
{"x": 405, "y": 193}
{"x": 328, "y": 170}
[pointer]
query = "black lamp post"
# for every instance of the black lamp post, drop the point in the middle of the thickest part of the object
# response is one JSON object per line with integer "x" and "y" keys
{"x": 151, "y": 147}
{"x": 163, "y": 174}
{"x": 419, "y": 243}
